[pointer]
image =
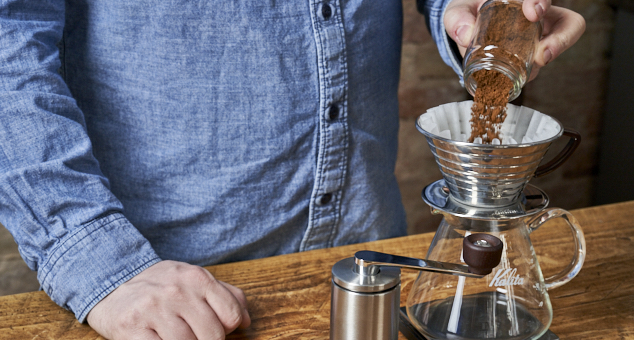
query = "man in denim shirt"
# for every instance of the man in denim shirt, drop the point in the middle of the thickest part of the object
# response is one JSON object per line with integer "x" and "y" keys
{"x": 141, "y": 140}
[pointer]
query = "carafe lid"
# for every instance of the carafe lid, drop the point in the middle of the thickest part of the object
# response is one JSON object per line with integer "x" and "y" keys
{"x": 531, "y": 201}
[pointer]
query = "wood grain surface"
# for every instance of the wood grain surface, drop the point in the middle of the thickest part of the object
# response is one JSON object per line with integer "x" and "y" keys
{"x": 289, "y": 296}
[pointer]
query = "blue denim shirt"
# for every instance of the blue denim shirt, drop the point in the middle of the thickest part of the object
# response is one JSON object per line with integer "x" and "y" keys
{"x": 205, "y": 132}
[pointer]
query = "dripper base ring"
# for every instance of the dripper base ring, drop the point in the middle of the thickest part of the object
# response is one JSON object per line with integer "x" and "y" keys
{"x": 531, "y": 201}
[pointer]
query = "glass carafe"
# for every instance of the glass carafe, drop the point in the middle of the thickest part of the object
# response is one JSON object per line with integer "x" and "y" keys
{"x": 510, "y": 303}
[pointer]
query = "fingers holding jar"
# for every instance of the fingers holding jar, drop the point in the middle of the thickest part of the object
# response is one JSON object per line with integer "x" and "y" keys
{"x": 561, "y": 27}
{"x": 534, "y": 10}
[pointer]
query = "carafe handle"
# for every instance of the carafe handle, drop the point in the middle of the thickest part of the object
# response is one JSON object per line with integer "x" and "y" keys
{"x": 579, "y": 256}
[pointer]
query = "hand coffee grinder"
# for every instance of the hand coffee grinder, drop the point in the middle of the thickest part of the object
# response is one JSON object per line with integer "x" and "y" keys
{"x": 366, "y": 288}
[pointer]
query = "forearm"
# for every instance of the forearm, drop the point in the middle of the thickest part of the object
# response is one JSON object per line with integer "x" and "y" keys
{"x": 53, "y": 198}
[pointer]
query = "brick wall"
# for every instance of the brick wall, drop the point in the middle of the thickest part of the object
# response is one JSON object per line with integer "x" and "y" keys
{"x": 571, "y": 89}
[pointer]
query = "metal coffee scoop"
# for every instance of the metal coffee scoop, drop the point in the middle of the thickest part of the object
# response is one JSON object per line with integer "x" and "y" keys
{"x": 366, "y": 288}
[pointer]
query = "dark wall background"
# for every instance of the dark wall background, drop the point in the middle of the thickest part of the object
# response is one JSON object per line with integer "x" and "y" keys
{"x": 615, "y": 178}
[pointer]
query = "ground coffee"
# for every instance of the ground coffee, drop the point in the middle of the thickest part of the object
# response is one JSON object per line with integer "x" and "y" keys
{"x": 489, "y": 104}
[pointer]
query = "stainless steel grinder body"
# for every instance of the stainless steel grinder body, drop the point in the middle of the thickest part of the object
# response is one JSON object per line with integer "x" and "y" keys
{"x": 364, "y": 307}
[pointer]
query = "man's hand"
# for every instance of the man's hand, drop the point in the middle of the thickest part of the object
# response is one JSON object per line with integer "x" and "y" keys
{"x": 561, "y": 27}
{"x": 171, "y": 300}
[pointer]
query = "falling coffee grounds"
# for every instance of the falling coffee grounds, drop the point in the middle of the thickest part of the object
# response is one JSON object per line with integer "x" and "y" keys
{"x": 489, "y": 104}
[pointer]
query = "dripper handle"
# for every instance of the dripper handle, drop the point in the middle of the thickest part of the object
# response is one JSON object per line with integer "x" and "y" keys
{"x": 579, "y": 256}
{"x": 564, "y": 154}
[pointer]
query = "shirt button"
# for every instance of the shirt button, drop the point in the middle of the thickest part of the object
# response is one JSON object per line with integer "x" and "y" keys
{"x": 326, "y": 11}
{"x": 333, "y": 112}
{"x": 325, "y": 199}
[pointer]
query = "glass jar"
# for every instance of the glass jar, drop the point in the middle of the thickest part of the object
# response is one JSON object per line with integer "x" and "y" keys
{"x": 504, "y": 41}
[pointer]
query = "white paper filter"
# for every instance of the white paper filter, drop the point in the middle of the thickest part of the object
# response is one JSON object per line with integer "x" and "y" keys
{"x": 522, "y": 124}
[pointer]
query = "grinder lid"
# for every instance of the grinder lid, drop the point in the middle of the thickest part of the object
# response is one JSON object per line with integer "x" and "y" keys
{"x": 345, "y": 276}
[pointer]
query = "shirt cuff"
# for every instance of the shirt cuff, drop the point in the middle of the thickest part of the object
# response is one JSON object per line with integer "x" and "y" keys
{"x": 94, "y": 260}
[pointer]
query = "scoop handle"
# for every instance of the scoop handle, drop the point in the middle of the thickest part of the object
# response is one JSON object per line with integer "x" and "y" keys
{"x": 564, "y": 154}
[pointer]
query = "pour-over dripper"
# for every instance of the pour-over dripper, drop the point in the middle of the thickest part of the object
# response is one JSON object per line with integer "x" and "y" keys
{"x": 485, "y": 190}
{"x": 492, "y": 175}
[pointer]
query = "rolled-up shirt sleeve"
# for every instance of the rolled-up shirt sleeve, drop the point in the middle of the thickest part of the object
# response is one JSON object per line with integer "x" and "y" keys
{"x": 53, "y": 198}
{"x": 434, "y": 11}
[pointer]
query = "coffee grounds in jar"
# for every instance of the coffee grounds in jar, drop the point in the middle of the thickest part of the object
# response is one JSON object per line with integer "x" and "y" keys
{"x": 504, "y": 34}
{"x": 489, "y": 105}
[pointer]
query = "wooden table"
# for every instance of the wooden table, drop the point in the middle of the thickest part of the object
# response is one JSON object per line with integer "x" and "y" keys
{"x": 289, "y": 296}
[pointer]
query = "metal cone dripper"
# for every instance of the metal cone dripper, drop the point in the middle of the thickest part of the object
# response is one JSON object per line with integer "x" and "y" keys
{"x": 485, "y": 175}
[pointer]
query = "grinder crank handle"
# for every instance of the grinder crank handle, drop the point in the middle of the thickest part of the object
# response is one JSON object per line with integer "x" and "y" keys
{"x": 369, "y": 260}
{"x": 482, "y": 252}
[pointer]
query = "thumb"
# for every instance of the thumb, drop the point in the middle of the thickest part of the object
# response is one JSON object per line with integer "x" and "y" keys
{"x": 459, "y": 20}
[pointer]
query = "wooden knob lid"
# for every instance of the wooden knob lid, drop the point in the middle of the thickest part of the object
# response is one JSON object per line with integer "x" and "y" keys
{"x": 482, "y": 252}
